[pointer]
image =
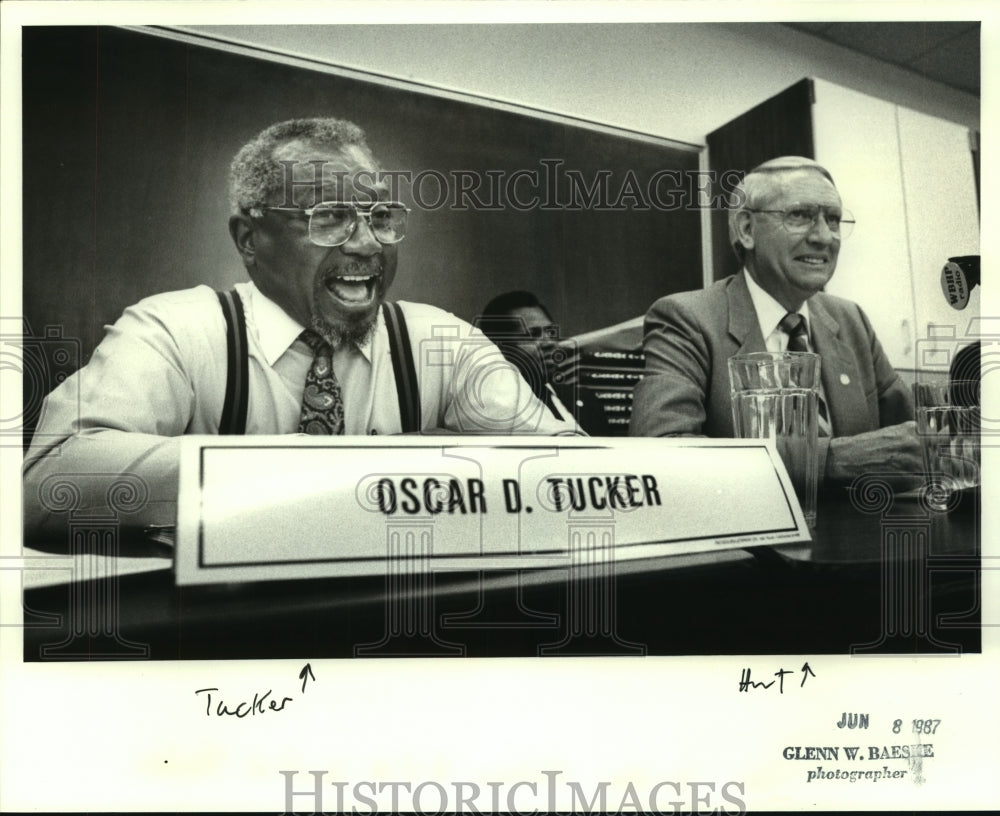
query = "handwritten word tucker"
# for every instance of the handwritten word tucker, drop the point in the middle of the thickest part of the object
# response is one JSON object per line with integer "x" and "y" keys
{"x": 261, "y": 703}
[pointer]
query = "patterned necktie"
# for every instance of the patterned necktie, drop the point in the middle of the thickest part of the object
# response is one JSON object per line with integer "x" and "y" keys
{"x": 322, "y": 401}
{"x": 794, "y": 325}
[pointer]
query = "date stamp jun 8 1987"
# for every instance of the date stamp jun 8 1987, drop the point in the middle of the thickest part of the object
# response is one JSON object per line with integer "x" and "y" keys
{"x": 894, "y": 756}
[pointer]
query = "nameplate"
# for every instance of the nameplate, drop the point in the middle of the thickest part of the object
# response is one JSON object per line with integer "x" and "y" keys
{"x": 259, "y": 507}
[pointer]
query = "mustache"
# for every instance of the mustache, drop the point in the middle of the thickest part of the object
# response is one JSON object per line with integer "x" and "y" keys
{"x": 360, "y": 266}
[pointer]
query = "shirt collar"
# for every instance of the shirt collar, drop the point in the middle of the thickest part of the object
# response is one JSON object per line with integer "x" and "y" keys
{"x": 276, "y": 330}
{"x": 769, "y": 311}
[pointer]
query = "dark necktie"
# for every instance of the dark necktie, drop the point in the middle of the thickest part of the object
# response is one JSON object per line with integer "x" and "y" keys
{"x": 794, "y": 325}
{"x": 322, "y": 400}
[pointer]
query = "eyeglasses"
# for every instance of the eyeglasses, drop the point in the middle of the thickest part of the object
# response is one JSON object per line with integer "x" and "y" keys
{"x": 550, "y": 332}
{"x": 802, "y": 218}
{"x": 515, "y": 330}
{"x": 332, "y": 223}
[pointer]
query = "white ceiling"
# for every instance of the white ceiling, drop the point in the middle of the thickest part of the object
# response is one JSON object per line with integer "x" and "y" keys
{"x": 947, "y": 52}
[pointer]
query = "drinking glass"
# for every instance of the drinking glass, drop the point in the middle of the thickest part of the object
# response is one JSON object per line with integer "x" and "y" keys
{"x": 948, "y": 418}
{"x": 774, "y": 396}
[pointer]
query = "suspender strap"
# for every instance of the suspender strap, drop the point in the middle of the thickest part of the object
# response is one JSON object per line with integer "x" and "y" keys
{"x": 234, "y": 408}
{"x": 403, "y": 368}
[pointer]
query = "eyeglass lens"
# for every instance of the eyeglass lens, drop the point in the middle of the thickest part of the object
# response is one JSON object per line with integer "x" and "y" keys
{"x": 799, "y": 219}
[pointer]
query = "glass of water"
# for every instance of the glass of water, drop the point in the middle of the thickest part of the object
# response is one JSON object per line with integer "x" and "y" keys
{"x": 948, "y": 417}
{"x": 774, "y": 396}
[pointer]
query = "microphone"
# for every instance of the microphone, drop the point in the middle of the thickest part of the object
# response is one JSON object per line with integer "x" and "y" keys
{"x": 958, "y": 278}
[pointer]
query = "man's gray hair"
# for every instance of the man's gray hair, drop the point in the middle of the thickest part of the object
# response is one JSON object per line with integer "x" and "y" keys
{"x": 254, "y": 175}
{"x": 758, "y": 186}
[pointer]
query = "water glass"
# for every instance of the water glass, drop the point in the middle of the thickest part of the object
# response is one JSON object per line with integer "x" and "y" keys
{"x": 775, "y": 396}
{"x": 948, "y": 417}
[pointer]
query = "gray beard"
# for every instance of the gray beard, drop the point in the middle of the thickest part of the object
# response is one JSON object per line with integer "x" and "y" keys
{"x": 356, "y": 334}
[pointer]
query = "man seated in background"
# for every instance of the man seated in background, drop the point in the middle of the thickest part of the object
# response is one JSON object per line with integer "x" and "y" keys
{"x": 524, "y": 331}
{"x": 786, "y": 223}
{"x": 317, "y": 233}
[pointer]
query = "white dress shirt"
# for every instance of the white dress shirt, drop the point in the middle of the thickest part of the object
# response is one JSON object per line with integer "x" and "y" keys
{"x": 770, "y": 313}
{"x": 160, "y": 373}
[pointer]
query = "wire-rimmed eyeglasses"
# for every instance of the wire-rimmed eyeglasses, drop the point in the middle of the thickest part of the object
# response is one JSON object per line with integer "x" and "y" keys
{"x": 802, "y": 218}
{"x": 332, "y": 223}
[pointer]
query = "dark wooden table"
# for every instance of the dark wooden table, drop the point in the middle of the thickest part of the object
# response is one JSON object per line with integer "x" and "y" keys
{"x": 884, "y": 574}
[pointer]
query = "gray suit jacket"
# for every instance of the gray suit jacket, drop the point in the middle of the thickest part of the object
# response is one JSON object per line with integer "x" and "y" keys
{"x": 689, "y": 337}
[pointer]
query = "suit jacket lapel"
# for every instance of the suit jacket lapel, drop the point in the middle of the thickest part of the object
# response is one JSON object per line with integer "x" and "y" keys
{"x": 744, "y": 328}
{"x": 842, "y": 383}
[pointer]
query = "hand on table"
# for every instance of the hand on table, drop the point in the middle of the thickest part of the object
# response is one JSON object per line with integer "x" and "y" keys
{"x": 892, "y": 450}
